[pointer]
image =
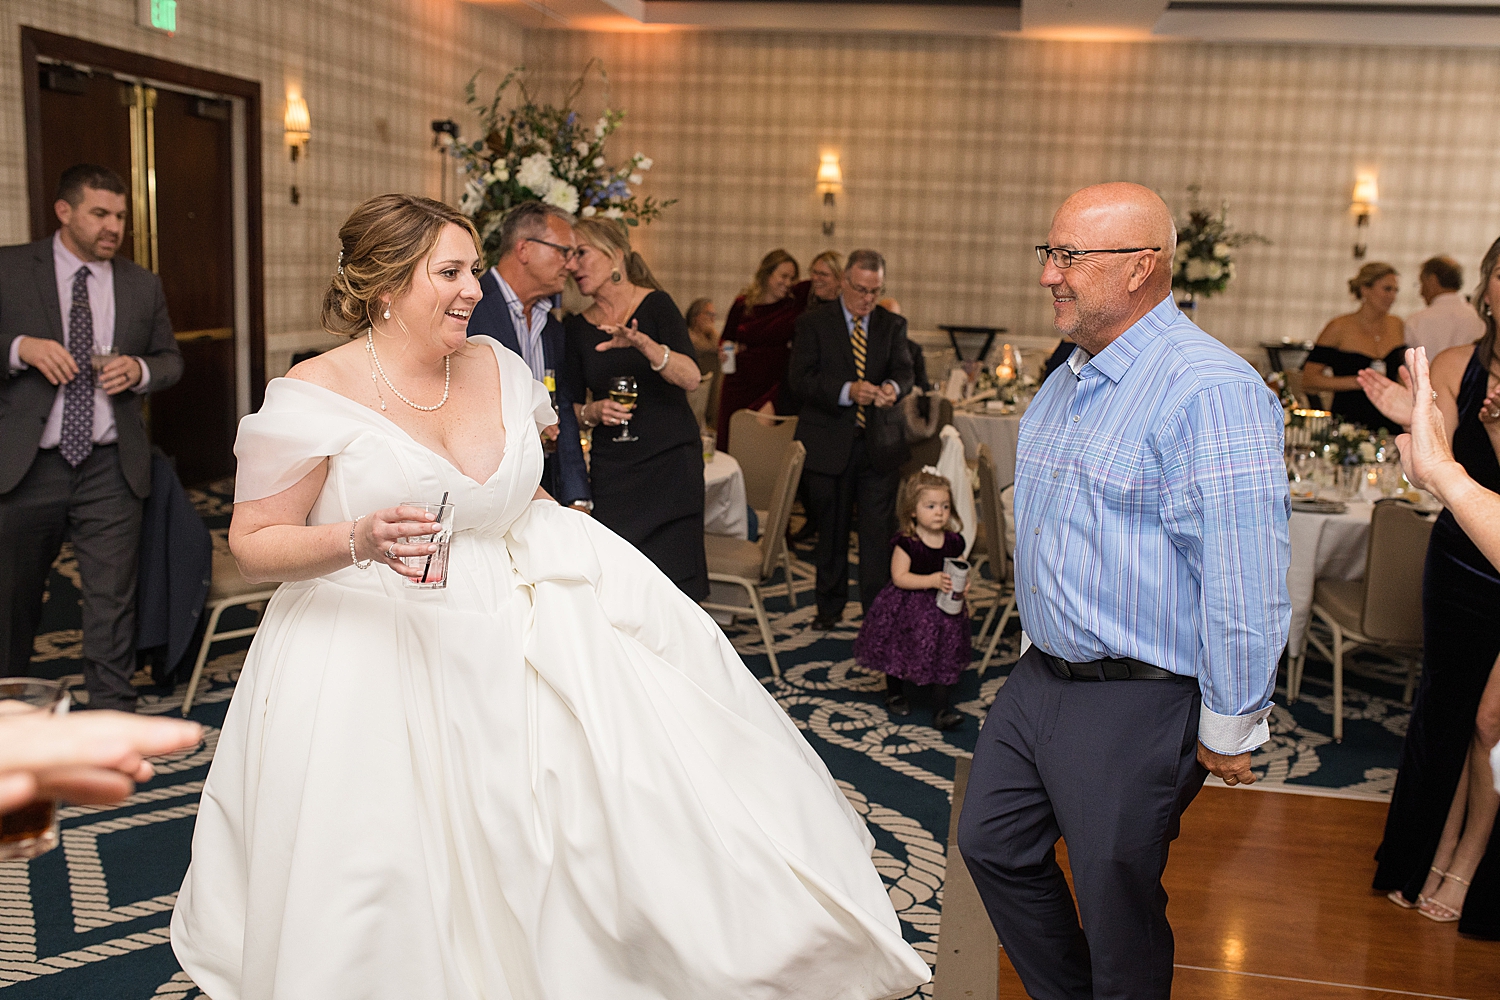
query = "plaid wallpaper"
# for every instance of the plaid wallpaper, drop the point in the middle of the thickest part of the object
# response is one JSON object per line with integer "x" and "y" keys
{"x": 956, "y": 151}
{"x": 374, "y": 74}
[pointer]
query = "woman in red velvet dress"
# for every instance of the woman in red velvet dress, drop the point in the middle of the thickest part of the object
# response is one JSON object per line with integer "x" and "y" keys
{"x": 761, "y": 324}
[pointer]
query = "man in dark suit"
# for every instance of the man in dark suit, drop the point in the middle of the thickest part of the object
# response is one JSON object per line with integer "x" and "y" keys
{"x": 75, "y": 460}
{"x": 520, "y": 295}
{"x": 850, "y": 364}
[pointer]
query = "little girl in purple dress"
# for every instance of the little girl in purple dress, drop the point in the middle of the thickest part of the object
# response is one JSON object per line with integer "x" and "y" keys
{"x": 905, "y": 635}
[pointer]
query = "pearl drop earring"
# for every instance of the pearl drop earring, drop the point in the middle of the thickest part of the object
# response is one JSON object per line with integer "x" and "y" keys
{"x": 387, "y": 313}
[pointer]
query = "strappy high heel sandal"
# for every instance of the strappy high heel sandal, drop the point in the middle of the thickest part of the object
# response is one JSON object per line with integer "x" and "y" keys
{"x": 1396, "y": 896}
{"x": 1441, "y": 912}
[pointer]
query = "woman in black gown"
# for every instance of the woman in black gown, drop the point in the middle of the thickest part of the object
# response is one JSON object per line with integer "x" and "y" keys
{"x": 1439, "y": 832}
{"x": 1369, "y": 337}
{"x": 649, "y": 490}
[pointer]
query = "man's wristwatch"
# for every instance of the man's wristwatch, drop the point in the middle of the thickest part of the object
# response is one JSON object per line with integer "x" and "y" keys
{"x": 583, "y": 505}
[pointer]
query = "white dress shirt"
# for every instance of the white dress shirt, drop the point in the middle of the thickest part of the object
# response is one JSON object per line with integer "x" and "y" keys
{"x": 1448, "y": 321}
{"x": 101, "y": 285}
{"x": 528, "y": 329}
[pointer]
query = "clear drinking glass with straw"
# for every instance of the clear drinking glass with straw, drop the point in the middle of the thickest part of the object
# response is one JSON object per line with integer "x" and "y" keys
{"x": 434, "y": 566}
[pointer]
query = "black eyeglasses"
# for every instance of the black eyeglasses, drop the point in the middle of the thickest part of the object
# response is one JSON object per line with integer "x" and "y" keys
{"x": 1063, "y": 257}
{"x": 568, "y": 253}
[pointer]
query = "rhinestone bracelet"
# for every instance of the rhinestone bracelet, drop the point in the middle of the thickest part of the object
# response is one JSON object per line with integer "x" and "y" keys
{"x": 352, "y": 556}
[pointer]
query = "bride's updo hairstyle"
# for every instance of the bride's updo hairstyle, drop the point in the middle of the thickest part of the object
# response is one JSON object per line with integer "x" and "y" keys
{"x": 381, "y": 245}
{"x": 610, "y": 238}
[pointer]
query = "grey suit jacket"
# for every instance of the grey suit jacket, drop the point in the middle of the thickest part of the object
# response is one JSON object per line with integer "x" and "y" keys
{"x": 29, "y": 308}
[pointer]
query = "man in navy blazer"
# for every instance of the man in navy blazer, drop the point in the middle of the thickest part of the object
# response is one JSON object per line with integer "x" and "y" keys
{"x": 520, "y": 294}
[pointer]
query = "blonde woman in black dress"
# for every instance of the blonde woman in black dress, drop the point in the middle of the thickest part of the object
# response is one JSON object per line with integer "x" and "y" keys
{"x": 648, "y": 489}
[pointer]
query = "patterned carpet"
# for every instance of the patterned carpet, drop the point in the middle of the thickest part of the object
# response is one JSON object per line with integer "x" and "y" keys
{"x": 90, "y": 919}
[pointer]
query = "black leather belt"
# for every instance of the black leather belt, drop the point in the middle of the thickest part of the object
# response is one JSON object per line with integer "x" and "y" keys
{"x": 1114, "y": 669}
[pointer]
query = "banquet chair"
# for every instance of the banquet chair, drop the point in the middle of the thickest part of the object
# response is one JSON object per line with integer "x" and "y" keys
{"x": 996, "y": 553}
{"x": 759, "y": 443}
{"x": 752, "y": 564}
{"x": 228, "y": 590}
{"x": 1383, "y": 610}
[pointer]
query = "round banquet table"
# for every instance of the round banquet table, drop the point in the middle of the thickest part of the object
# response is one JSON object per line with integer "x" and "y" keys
{"x": 724, "y": 497}
{"x": 1324, "y": 547}
{"x": 998, "y": 430}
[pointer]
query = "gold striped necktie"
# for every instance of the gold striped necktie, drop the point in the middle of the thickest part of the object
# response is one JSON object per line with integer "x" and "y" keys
{"x": 857, "y": 341}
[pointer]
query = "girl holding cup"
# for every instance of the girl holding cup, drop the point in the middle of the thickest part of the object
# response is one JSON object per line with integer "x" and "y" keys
{"x": 906, "y": 635}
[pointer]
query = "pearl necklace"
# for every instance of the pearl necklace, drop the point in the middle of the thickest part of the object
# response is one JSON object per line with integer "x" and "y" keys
{"x": 447, "y": 377}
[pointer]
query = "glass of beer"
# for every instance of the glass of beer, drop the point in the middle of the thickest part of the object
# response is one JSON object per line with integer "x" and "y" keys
{"x": 623, "y": 391}
{"x": 434, "y": 567}
{"x": 30, "y": 830}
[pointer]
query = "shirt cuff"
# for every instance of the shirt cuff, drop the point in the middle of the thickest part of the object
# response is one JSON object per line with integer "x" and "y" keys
{"x": 145, "y": 375}
{"x": 1233, "y": 734}
{"x": 16, "y": 364}
{"x": 844, "y": 399}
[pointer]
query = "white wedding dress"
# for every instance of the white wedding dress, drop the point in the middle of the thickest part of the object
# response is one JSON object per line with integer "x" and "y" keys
{"x": 554, "y": 780}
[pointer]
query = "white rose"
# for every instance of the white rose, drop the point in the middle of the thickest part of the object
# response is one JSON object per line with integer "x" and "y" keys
{"x": 598, "y": 162}
{"x": 588, "y": 211}
{"x": 535, "y": 173}
{"x": 601, "y": 127}
{"x": 1221, "y": 251}
{"x": 472, "y": 198}
{"x": 613, "y": 213}
{"x": 1215, "y": 271}
{"x": 563, "y": 195}
{"x": 1346, "y": 430}
{"x": 1196, "y": 269}
{"x": 645, "y": 162}
{"x": 636, "y": 179}
{"x": 582, "y": 148}
{"x": 1367, "y": 451}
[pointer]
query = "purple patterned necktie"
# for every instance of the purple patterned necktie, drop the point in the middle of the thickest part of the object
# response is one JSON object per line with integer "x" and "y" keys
{"x": 78, "y": 395}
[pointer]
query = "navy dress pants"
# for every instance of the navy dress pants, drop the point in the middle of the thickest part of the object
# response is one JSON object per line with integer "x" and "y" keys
{"x": 1108, "y": 766}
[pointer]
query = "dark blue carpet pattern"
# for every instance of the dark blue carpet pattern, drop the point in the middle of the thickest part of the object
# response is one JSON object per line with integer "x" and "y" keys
{"x": 90, "y": 920}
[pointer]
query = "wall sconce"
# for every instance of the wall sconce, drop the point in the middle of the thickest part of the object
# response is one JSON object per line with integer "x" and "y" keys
{"x": 830, "y": 183}
{"x": 297, "y": 124}
{"x": 1362, "y": 206}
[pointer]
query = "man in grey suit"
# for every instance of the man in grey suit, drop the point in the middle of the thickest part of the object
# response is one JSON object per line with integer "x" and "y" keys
{"x": 75, "y": 461}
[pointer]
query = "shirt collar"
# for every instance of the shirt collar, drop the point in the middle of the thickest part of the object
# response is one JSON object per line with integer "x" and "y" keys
{"x": 1445, "y": 297}
{"x": 546, "y": 303}
{"x": 68, "y": 263}
{"x": 1115, "y": 360}
{"x": 849, "y": 317}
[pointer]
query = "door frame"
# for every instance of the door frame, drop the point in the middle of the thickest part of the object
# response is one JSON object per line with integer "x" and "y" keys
{"x": 36, "y": 43}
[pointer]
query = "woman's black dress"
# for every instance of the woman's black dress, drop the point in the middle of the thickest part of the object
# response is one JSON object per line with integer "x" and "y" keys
{"x": 1353, "y": 405}
{"x": 1461, "y": 626}
{"x": 649, "y": 491}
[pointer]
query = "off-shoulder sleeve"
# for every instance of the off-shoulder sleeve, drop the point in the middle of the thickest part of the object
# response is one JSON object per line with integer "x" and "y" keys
{"x": 296, "y": 428}
{"x": 541, "y": 405}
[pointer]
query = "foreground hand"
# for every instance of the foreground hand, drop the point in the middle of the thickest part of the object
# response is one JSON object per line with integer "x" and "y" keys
{"x": 944, "y": 581}
{"x": 885, "y": 396}
{"x": 50, "y": 358}
{"x": 549, "y": 439}
{"x": 377, "y": 534}
{"x": 1424, "y": 448}
{"x": 622, "y": 336}
{"x": 1489, "y": 416}
{"x": 606, "y": 411}
{"x": 90, "y": 758}
{"x": 862, "y": 392}
{"x": 119, "y": 374}
{"x": 1232, "y": 770}
{"x": 1391, "y": 399}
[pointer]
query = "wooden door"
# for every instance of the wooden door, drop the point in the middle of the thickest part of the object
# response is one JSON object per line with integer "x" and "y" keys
{"x": 173, "y": 148}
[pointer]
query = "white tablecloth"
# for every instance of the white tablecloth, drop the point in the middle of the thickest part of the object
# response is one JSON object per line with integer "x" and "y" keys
{"x": 724, "y": 497}
{"x": 1324, "y": 547}
{"x": 998, "y": 430}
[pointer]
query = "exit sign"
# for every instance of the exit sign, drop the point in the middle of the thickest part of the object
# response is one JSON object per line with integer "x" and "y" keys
{"x": 159, "y": 15}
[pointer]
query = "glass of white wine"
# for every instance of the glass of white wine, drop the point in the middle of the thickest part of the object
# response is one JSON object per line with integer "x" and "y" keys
{"x": 622, "y": 389}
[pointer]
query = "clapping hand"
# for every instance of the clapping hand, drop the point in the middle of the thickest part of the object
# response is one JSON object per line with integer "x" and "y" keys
{"x": 863, "y": 393}
{"x": 1392, "y": 400}
{"x": 1424, "y": 448}
{"x": 885, "y": 395}
{"x": 1489, "y": 417}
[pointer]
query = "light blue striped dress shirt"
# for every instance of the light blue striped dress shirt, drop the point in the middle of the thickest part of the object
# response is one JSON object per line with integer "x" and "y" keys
{"x": 1151, "y": 518}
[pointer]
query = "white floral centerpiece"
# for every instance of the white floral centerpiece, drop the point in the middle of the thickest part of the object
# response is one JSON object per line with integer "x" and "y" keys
{"x": 1204, "y": 261}
{"x": 542, "y": 152}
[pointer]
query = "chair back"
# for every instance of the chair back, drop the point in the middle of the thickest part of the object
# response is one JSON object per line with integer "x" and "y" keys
{"x": 992, "y": 516}
{"x": 759, "y": 443}
{"x": 1393, "y": 573}
{"x": 928, "y": 450}
{"x": 773, "y": 532}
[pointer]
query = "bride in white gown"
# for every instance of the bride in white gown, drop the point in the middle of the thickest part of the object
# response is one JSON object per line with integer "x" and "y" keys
{"x": 552, "y": 780}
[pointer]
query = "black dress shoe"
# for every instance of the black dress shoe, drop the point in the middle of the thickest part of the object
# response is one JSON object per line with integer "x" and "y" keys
{"x": 945, "y": 719}
{"x": 825, "y": 623}
{"x": 896, "y": 704}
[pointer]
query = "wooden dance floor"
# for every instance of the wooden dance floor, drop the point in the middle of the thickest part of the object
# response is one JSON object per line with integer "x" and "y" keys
{"x": 1270, "y": 898}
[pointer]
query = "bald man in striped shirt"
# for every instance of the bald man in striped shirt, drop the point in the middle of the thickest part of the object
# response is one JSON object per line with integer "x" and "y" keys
{"x": 1151, "y": 556}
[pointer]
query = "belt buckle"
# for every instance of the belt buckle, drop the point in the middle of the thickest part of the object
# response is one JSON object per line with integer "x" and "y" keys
{"x": 1114, "y": 670}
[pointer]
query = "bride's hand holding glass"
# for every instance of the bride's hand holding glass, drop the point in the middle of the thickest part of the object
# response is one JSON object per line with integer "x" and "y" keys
{"x": 389, "y": 536}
